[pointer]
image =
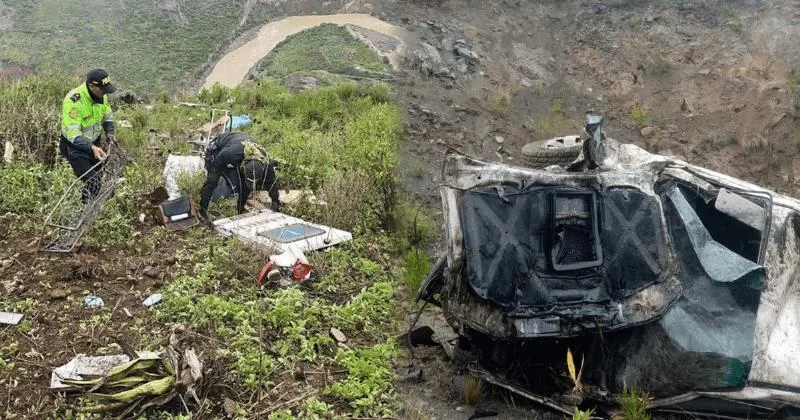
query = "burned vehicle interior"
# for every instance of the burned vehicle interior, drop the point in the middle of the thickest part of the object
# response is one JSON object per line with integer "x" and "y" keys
{"x": 648, "y": 269}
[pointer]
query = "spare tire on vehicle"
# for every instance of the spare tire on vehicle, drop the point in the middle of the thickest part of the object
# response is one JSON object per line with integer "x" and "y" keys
{"x": 557, "y": 151}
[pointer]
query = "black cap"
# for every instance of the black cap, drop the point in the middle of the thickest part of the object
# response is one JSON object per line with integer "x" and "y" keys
{"x": 99, "y": 77}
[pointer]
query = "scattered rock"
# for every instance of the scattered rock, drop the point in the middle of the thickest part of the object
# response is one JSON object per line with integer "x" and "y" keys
{"x": 648, "y": 131}
{"x": 230, "y": 407}
{"x": 57, "y": 294}
{"x": 462, "y": 49}
{"x": 445, "y": 72}
{"x": 338, "y": 335}
{"x": 777, "y": 119}
{"x": 499, "y": 139}
{"x": 297, "y": 83}
{"x": 704, "y": 72}
{"x": 440, "y": 142}
{"x": 411, "y": 375}
{"x": 96, "y": 285}
{"x": 6, "y": 263}
{"x": 150, "y": 271}
{"x": 461, "y": 66}
{"x": 129, "y": 97}
{"x": 687, "y": 107}
{"x": 460, "y": 409}
{"x": 526, "y": 82}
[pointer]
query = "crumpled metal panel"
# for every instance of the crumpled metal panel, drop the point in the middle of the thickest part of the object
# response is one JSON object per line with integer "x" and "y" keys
{"x": 720, "y": 263}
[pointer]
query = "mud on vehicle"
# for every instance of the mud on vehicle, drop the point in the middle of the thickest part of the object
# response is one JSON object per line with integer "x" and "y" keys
{"x": 672, "y": 278}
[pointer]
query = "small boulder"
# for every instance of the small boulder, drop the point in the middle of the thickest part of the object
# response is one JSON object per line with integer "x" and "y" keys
{"x": 648, "y": 132}
{"x": 57, "y": 294}
{"x": 338, "y": 335}
{"x": 150, "y": 271}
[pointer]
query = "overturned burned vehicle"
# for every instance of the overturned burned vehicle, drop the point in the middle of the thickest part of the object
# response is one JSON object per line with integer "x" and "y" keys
{"x": 660, "y": 275}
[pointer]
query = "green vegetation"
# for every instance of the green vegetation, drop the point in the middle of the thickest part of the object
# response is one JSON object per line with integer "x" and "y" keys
{"x": 145, "y": 47}
{"x": 417, "y": 266}
{"x": 634, "y": 404}
{"x": 579, "y": 414}
{"x": 736, "y": 24}
{"x": 500, "y": 103}
{"x": 341, "y": 142}
{"x": 659, "y": 66}
{"x": 326, "y": 47}
{"x": 640, "y": 116}
{"x": 794, "y": 81}
{"x": 555, "y": 122}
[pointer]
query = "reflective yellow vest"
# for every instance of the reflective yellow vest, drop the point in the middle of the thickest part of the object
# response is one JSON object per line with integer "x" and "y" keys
{"x": 81, "y": 116}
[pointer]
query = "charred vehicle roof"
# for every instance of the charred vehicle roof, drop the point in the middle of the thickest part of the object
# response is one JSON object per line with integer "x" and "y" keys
{"x": 663, "y": 275}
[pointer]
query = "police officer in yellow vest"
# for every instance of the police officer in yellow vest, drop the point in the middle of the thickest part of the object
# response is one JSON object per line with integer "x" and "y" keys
{"x": 85, "y": 116}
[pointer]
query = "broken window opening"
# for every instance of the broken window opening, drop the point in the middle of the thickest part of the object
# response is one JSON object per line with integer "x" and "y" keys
{"x": 575, "y": 234}
{"x": 731, "y": 232}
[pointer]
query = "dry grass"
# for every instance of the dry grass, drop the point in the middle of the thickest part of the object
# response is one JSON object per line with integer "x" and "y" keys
{"x": 755, "y": 143}
{"x": 473, "y": 386}
{"x": 346, "y": 195}
{"x": 500, "y": 103}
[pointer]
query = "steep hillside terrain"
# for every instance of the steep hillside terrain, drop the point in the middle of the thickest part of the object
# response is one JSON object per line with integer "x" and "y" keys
{"x": 713, "y": 82}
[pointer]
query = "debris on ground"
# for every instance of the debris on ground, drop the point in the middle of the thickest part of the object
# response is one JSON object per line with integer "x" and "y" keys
{"x": 411, "y": 374}
{"x": 10, "y": 318}
{"x": 421, "y": 336}
{"x": 177, "y": 165}
{"x": 239, "y": 121}
{"x": 132, "y": 383}
{"x": 274, "y": 230}
{"x": 177, "y": 214}
{"x": 278, "y": 270}
{"x": 338, "y": 335}
{"x": 153, "y": 300}
{"x": 93, "y": 302}
{"x": 8, "y": 152}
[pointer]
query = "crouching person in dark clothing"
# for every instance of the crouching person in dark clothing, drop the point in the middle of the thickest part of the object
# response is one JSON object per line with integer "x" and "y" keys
{"x": 245, "y": 167}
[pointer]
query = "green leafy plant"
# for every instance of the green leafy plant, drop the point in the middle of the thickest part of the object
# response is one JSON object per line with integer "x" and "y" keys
{"x": 579, "y": 414}
{"x": 417, "y": 266}
{"x": 640, "y": 116}
{"x": 368, "y": 386}
{"x": 634, "y": 403}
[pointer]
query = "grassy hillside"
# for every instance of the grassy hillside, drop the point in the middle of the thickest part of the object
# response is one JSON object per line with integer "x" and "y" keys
{"x": 268, "y": 351}
{"x": 326, "y": 47}
{"x": 146, "y": 46}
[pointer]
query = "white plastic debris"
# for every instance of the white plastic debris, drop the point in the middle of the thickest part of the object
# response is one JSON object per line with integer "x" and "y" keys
{"x": 10, "y": 318}
{"x": 152, "y": 300}
{"x": 83, "y": 366}
{"x": 93, "y": 302}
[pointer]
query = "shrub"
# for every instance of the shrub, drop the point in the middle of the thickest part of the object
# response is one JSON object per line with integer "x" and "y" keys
{"x": 30, "y": 115}
{"x": 639, "y": 115}
{"x": 417, "y": 266}
{"x": 634, "y": 404}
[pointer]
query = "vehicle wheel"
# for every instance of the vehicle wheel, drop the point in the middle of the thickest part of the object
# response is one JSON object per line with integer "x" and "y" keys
{"x": 558, "y": 151}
